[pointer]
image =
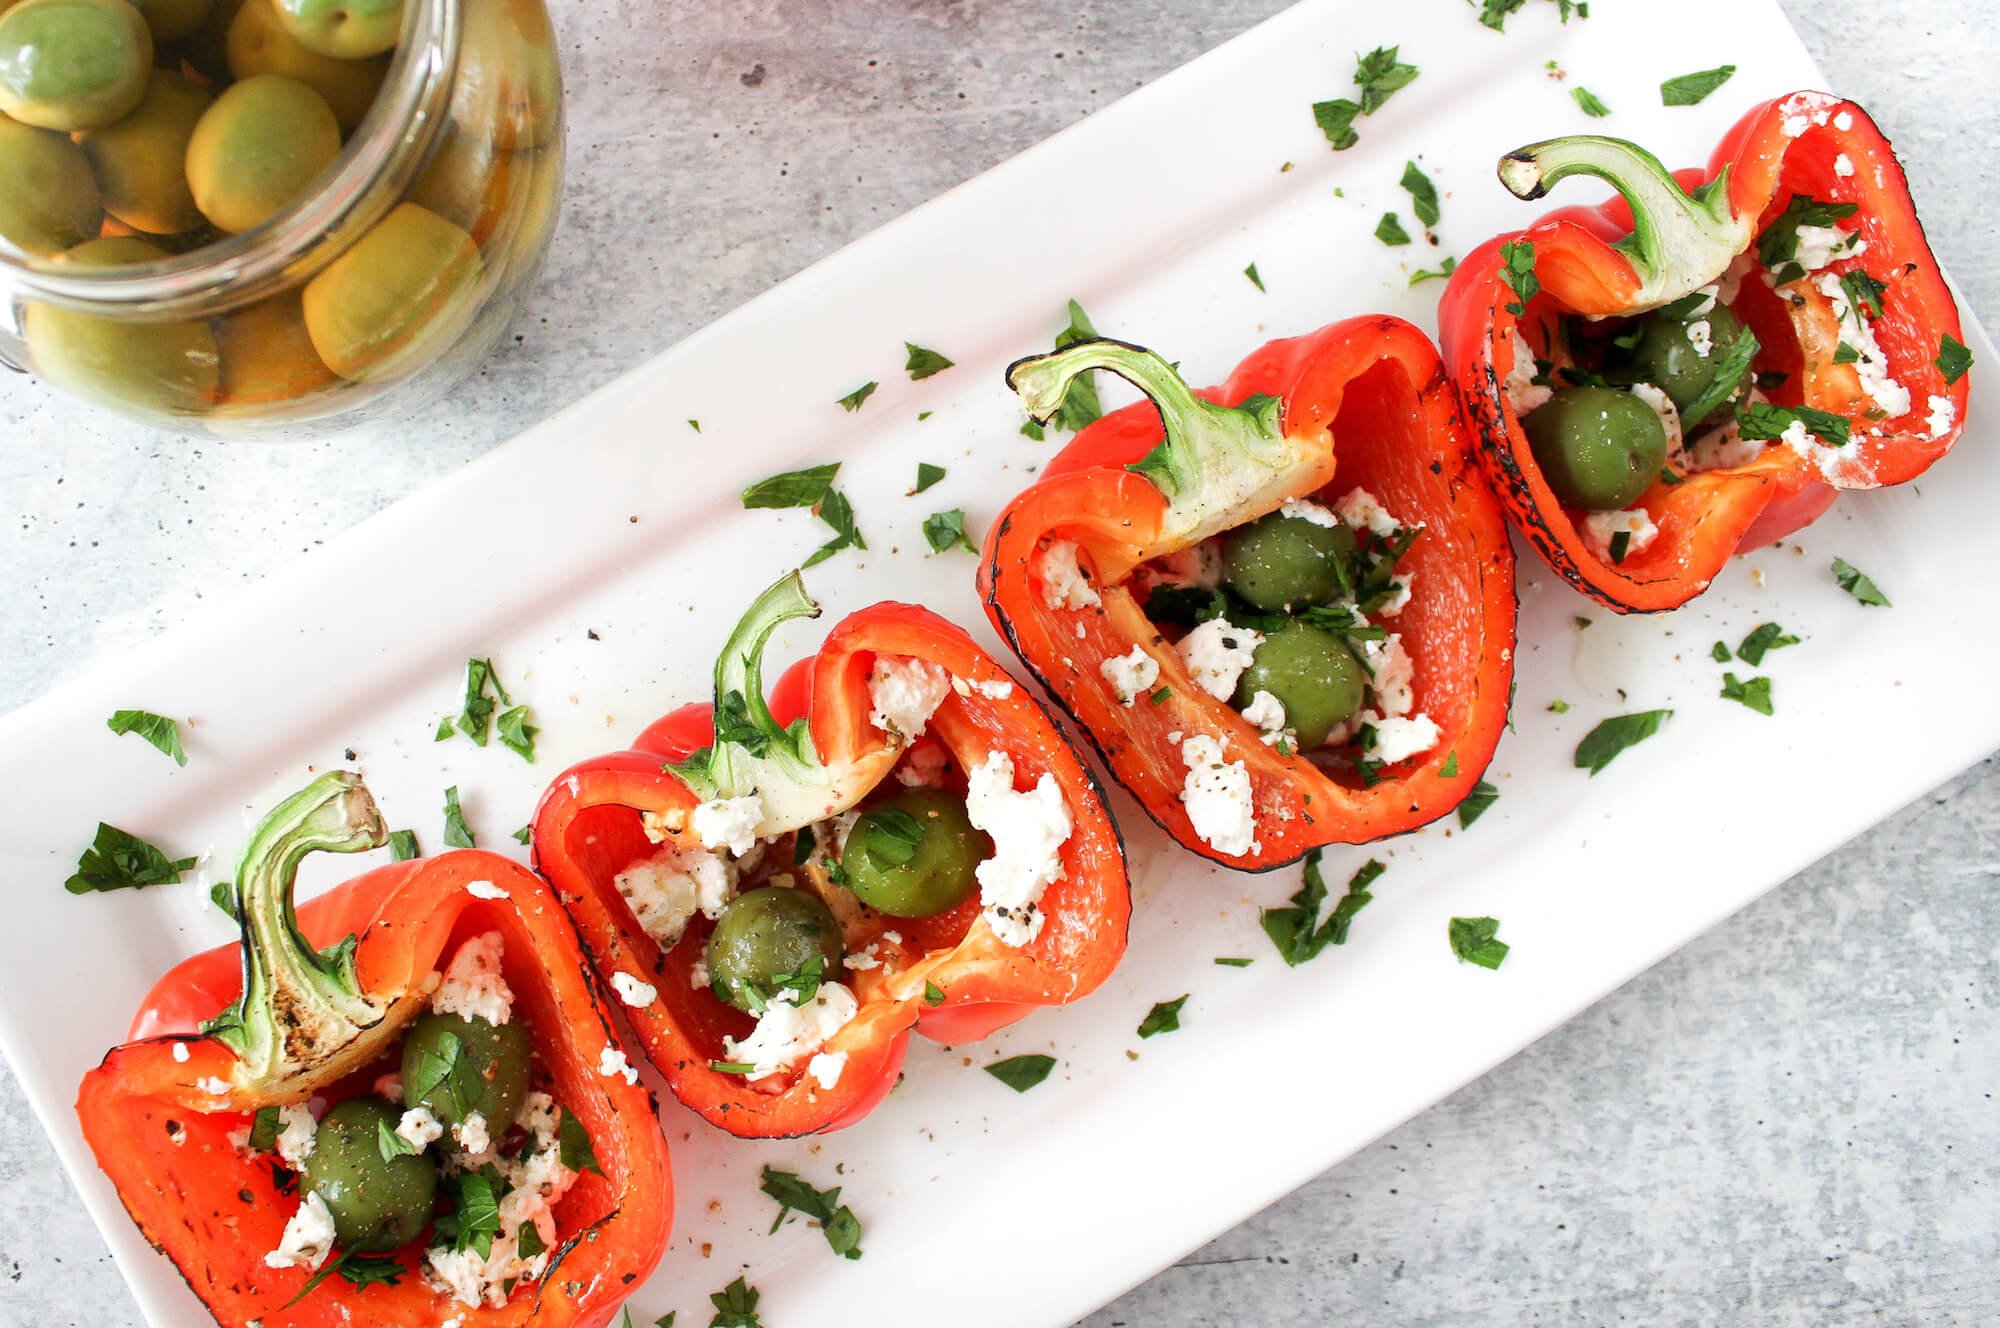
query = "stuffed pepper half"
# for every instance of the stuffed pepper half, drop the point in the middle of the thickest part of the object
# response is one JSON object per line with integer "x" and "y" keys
{"x": 401, "y": 1104}
{"x": 1283, "y": 610}
{"x": 1701, "y": 365}
{"x": 779, "y": 891}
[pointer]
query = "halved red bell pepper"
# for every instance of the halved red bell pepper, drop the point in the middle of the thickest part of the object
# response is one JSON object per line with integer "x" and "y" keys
{"x": 1361, "y": 403}
{"x": 1666, "y": 236}
{"x": 949, "y": 976}
{"x": 330, "y": 988}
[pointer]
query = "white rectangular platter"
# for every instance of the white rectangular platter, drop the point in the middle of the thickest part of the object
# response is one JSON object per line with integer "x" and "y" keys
{"x": 619, "y": 519}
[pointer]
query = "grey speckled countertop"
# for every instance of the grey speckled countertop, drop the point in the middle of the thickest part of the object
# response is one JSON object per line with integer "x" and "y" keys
{"x": 1790, "y": 1122}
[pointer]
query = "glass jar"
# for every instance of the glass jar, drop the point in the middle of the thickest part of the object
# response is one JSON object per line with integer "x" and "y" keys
{"x": 372, "y": 291}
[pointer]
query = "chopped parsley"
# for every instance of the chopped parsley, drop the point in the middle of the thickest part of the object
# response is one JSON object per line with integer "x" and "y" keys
{"x": 1335, "y": 119}
{"x": 946, "y": 530}
{"x": 1953, "y": 359}
{"x": 483, "y": 695}
{"x": 695, "y": 425}
{"x": 1778, "y": 243}
{"x": 834, "y": 509}
{"x": 1764, "y": 422}
{"x": 1423, "y": 194}
{"x": 1381, "y": 76}
{"x": 1863, "y": 292}
{"x": 1476, "y": 941}
{"x": 455, "y": 833}
{"x": 528, "y": 1241}
{"x": 1022, "y": 1073}
{"x": 1483, "y": 795}
{"x": 1390, "y": 231}
{"x": 444, "y": 730}
{"x": 733, "y": 1067}
{"x": 922, "y": 363}
{"x": 1764, "y": 637}
{"x": 1856, "y": 583}
{"x": 1756, "y": 693}
{"x": 1846, "y": 354}
{"x": 1255, "y": 280}
{"x": 852, "y": 401}
{"x": 933, "y": 995}
{"x": 1030, "y": 429}
{"x": 1719, "y": 652}
{"x": 475, "y": 1219}
{"x": 403, "y": 846}
{"x": 573, "y": 1147}
{"x": 1494, "y": 13}
{"x": 1602, "y": 744}
{"x": 794, "y": 488}
{"x": 1518, "y": 258}
{"x": 1621, "y": 544}
{"x": 524, "y": 834}
{"x": 162, "y": 732}
{"x": 1298, "y": 933}
{"x": 735, "y": 1306}
{"x": 116, "y": 860}
{"x": 1589, "y": 101}
{"x": 1690, "y": 89}
{"x": 891, "y": 836}
{"x": 1160, "y": 697}
{"x": 1164, "y": 1017}
{"x": 357, "y": 1270}
{"x": 390, "y": 1144}
{"x": 927, "y": 475}
{"x": 1559, "y": 707}
{"x": 1449, "y": 266}
{"x": 222, "y": 894}
{"x": 1235, "y": 961}
{"x": 517, "y": 735}
{"x": 836, "y": 1219}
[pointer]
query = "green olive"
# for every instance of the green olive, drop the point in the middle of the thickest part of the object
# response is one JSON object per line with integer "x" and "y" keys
{"x": 886, "y": 871}
{"x": 257, "y": 149}
{"x": 172, "y": 20}
{"x": 73, "y": 64}
{"x": 50, "y": 201}
{"x": 346, "y": 29}
{"x": 509, "y": 88}
{"x": 207, "y": 47}
{"x": 156, "y": 367}
{"x": 1597, "y": 447}
{"x": 766, "y": 935}
{"x": 1668, "y": 358}
{"x": 397, "y": 298}
{"x": 258, "y": 44}
{"x": 139, "y": 161}
{"x": 267, "y": 357}
{"x": 1314, "y": 676}
{"x": 1278, "y": 562}
{"x": 378, "y": 1203}
{"x": 489, "y": 1073}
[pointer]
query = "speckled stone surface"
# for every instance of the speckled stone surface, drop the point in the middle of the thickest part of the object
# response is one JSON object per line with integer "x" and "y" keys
{"x": 1790, "y": 1122}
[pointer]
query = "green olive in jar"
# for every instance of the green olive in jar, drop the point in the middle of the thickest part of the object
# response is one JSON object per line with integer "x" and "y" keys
{"x": 172, "y": 20}
{"x": 464, "y": 182}
{"x": 509, "y": 88}
{"x": 49, "y": 202}
{"x": 170, "y": 367}
{"x": 397, "y": 298}
{"x": 268, "y": 358}
{"x": 259, "y": 44}
{"x": 262, "y": 142}
{"x": 138, "y": 161}
{"x": 73, "y": 64}
{"x": 344, "y": 29}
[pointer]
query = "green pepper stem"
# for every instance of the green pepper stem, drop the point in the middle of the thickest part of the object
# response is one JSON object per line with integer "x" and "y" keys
{"x": 1680, "y": 241}
{"x": 1216, "y": 461}
{"x": 303, "y": 1017}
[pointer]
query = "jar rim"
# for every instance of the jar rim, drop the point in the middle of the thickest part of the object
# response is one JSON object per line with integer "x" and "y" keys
{"x": 355, "y": 192}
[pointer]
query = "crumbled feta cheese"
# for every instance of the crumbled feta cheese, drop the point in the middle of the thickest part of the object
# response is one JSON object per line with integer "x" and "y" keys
{"x": 1198, "y": 565}
{"x": 1361, "y": 508}
{"x": 1872, "y": 365}
{"x": 1305, "y": 509}
{"x": 213, "y": 1086}
{"x": 534, "y": 1181}
{"x": 994, "y": 689}
{"x": 1843, "y": 122}
{"x": 1267, "y": 712}
{"x": 1028, "y": 829}
{"x": 634, "y": 991}
{"x": 297, "y": 1133}
{"x": 1719, "y": 445}
{"x": 1064, "y": 586}
{"x": 1524, "y": 394}
{"x": 611, "y": 1063}
{"x": 698, "y": 973}
{"x": 1843, "y": 165}
{"x": 1600, "y": 527}
{"x": 787, "y": 1032}
{"x": 1216, "y": 653}
{"x": 1394, "y": 674}
{"x": 1399, "y": 595}
{"x": 1662, "y": 405}
{"x": 1821, "y": 245}
{"x": 1701, "y": 337}
{"x": 825, "y": 1068}
{"x": 389, "y": 1087}
{"x": 181, "y": 1048}
{"x": 484, "y": 890}
{"x": 670, "y": 887}
{"x": 864, "y": 959}
{"x": 1217, "y": 796}
{"x": 473, "y": 986}
{"x": 1943, "y": 414}
{"x": 1795, "y": 125}
{"x": 905, "y": 693}
{"x": 923, "y": 767}
{"x": 419, "y": 1128}
{"x": 1398, "y": 739}
{"x": 1131, "y": 674}
{"x": 473, "y": 1137}
{"x": 729, "y": 823}
{"x": 308, "y": 1237}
